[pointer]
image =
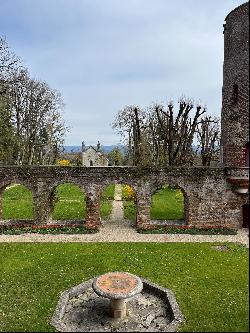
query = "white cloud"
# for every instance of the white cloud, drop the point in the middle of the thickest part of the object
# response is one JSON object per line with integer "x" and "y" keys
{"x": 105, "y": 54}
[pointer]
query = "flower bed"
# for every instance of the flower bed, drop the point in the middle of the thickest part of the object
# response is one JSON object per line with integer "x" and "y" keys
{"x": 185, "y": 229}
{"x": 45, "y": 229}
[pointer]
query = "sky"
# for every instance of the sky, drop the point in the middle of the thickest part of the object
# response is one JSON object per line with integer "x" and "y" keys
{"x": 103, "y": 55}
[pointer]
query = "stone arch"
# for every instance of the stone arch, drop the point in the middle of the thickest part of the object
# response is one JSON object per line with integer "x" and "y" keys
{"x": 61, "y": 208}
{"x": 177, "y": 215}
{"x": 20, "y": 205}
{"x": 6, "y": 182}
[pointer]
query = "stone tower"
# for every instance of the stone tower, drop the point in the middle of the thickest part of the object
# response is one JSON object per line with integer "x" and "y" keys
{"x": 235, "y": 91}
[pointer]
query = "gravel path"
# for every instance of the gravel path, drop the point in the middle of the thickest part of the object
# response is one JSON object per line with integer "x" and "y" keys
{"x": 118, "y": 233}
{"x": 119, "y": 230}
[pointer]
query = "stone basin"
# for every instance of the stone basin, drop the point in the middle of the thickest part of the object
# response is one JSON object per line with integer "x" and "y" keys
{"x": 118, "y": 287}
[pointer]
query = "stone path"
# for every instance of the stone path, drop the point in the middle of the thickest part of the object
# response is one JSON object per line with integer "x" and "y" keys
{"x": 119, "y": 230}
{"x": 117, "y": 209}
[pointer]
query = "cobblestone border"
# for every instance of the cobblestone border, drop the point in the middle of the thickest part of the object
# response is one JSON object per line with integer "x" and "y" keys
{"x": 164, "y": 293}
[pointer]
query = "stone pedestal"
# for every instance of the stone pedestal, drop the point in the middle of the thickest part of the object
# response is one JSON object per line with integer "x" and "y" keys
{"x": 117, "y": 308}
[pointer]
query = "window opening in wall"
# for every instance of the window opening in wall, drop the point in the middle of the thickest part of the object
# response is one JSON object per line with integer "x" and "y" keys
{"x": 167, "y": 204}
{"x": 91, "y": 163}
{"x": 235, "y": 95}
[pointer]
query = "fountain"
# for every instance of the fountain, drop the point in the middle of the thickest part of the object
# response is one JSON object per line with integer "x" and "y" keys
{"x": 117, "y": 301}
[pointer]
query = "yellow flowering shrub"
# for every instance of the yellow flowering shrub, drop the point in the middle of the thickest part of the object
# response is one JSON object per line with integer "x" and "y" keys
{"x": 63, "y": 163}
{"x": 178, "y": 194}
{"x": 129, "y": 193}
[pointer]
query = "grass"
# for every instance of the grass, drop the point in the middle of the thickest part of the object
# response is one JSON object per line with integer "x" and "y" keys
{"x": 17, "y": 203}
{"x": 69, "y": 203}
{"x": 210, "y": 286}
{"x": 129, "y": 207}
{"x": 107, "y": 199}
{"x": 167, "y": 204}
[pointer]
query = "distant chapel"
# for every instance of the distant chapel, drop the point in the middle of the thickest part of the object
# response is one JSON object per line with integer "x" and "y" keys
{"x": 92, "y": 156}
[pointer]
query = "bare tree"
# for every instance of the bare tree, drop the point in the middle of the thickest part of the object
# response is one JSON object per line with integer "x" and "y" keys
{"x": 208, "y": 137}
{"x": 129, "y": 123}
{"x": 156, "y": 136}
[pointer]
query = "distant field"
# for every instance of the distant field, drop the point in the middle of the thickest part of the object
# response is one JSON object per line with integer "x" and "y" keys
{"x": 69, "y": 203}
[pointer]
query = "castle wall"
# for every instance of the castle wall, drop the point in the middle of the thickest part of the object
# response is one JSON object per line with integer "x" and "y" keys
{"x": 210, "y": 199}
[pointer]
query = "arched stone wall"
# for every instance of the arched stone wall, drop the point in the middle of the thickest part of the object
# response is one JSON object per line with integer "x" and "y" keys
{"x": 212, "y": 200}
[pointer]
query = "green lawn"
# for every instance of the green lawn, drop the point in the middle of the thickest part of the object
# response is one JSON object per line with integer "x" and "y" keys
{"x": 17, "y": 203}
{"x": 107, "y": 199}
{"x": 167, "y": 204}
{"x": 210, "y": 286}
{"x": 69, "y": 203}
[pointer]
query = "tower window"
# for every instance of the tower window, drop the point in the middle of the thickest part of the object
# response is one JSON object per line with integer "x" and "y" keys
{"x": 235, "y": 93}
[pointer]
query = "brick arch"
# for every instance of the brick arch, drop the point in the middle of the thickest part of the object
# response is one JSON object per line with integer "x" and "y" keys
{"x": 6, "y": 182}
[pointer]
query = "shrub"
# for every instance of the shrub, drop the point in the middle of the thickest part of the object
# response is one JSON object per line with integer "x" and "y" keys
{"x": 129, "y": 193}
{"x": 63, "y": 163}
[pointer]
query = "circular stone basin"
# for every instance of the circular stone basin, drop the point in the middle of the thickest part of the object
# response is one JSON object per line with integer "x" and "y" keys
{"x": 117, "y": 286}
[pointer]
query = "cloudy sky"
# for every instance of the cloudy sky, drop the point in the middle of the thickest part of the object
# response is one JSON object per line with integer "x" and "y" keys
{"x": 105, "y": 54}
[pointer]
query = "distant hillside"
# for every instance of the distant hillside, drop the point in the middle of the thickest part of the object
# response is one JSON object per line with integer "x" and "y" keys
{"x": 77, "y": 149}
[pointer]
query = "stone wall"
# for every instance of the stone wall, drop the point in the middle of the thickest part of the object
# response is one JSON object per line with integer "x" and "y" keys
{"x": 210, "y": 199}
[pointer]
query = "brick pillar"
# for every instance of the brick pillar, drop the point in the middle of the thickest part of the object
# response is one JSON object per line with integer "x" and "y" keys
{"x": 143, "y": 209}
{"x": 42, "y": 204}
{"x": 93, "y": 197}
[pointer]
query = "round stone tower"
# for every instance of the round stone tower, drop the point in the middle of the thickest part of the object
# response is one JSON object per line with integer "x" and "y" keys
{"x": 235, "y": 91}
